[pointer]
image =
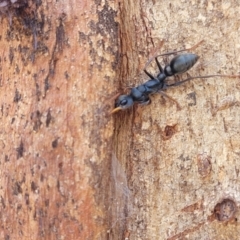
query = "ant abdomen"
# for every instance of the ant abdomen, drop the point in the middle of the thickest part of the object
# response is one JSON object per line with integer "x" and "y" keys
{"x": 182, "y": 63}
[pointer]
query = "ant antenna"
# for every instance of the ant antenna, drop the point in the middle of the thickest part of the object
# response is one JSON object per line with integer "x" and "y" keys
{"x": 207, "y": 76}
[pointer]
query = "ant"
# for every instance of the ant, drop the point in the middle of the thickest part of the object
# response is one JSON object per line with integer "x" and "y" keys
{"x": 179, "y": 64}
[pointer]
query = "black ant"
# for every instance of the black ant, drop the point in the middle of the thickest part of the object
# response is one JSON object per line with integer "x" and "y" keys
{"x": 179, "y": 64}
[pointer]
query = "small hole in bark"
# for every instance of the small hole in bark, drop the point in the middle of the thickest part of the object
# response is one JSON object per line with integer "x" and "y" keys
{"x": 225, "y": 211}
{"x": 55, "y": 143}
{"x": 169, "y": 131}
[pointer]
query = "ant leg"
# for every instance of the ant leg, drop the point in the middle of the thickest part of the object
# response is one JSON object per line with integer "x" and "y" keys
{"x": 207, "y": 76}
{"x": 172, "y": 99}
{"x": 183, "y": 50}
{"x": 145, "y": 101}
{"x": 149, "y": 74}
{"x": 159, "y": 65}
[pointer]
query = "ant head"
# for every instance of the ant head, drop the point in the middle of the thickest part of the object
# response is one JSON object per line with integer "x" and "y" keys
{"x": 122, "y": 103}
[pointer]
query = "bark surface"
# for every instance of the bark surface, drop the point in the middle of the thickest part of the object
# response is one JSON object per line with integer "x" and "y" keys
{"x": 182, "y": 165}
{"x": 161, "y": 172}
{"x": 58, "y": 61}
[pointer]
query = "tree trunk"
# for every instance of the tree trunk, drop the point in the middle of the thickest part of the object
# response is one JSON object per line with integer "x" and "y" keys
{"x": 166, "y": 173}
{"x": 58, "y": 62}
{"x": 182, "y": 165}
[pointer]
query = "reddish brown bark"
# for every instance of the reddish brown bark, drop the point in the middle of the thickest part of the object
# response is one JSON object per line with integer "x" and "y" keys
{"x": 58, "y": 61}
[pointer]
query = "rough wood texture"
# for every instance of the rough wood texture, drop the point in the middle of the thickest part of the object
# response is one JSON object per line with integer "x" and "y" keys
{"x": 185, "y": 186}
{"x": 58, "y": 61}
{"x": 174, "y": 174}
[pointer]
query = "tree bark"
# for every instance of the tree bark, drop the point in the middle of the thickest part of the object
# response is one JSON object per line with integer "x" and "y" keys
{"x": 163, "y": 173}
{"x": 182, "y": 166}
{"x": 58, "y": 62}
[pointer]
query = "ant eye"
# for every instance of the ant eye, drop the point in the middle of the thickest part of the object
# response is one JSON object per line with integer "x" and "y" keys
{"x": 123, "y": 102}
